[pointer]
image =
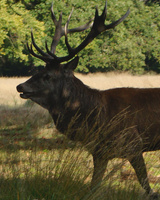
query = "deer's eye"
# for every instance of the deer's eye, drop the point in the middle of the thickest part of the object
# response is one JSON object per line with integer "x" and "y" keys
{"x": 46, "y": 77}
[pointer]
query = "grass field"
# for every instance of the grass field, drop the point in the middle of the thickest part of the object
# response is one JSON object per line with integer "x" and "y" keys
{"x": 37, "y": 163}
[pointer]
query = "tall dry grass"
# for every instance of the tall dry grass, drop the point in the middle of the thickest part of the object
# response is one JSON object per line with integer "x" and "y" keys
{"x": 111, "y": 80}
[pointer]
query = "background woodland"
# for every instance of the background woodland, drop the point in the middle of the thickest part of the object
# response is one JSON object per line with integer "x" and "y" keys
{"x": 132, "y": 46}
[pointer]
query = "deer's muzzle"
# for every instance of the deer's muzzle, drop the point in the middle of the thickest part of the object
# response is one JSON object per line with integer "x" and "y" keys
{"x": 24, "y": 93}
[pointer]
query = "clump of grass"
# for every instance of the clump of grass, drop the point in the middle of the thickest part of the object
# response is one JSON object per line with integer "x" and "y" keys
{"x": 54, "y": 174}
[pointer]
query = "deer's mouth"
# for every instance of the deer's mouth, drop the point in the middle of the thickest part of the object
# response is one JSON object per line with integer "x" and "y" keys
{"x": 26, "y": 95}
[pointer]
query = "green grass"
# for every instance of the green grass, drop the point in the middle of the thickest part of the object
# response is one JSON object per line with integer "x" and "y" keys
{"x": 37, "y": 163}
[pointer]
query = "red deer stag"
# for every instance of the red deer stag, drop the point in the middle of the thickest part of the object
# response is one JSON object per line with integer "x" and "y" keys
{"x": 122, "y": 122}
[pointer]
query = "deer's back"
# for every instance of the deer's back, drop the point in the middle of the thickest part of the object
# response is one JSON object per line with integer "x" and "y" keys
{"x": 139, "y": 108}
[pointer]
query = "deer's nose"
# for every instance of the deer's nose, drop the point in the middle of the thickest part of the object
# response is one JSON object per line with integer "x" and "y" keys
{"x": 19, "y": 88}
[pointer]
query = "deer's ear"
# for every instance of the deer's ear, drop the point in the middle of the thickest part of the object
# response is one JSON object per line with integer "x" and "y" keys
{"x": 72, "y": 64}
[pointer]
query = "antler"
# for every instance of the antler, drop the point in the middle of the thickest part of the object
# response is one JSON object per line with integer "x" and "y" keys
{"x": 60, "y": 31}
{"x": 97, "y": 27}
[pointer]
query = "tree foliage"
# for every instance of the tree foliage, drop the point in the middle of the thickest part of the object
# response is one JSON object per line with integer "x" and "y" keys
{"x": 131, "y": 46}
{"x": 15, "y": 26}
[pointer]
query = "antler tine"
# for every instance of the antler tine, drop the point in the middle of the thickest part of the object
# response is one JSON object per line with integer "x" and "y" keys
{"x": 58, "y": 34}
{"x": 104, "y": 14}
{"x": 67, "y": 23}
{"x": 49, "y": 52}
{"x": 96, "y": 15}
{"x": 66, "y": 31}
{"x": 53, "y": 15}
{"x": 113, "y": 24}
{"x": 37, "y": 48}
{"x": 30, "y": 49}
{"x": 82, "y": 28}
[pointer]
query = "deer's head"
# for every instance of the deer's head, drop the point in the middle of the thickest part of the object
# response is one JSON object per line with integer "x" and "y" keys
{"x": 46, "y": 87}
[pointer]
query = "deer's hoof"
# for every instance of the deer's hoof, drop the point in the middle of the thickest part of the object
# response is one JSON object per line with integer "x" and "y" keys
{"x": 154, "y": 196}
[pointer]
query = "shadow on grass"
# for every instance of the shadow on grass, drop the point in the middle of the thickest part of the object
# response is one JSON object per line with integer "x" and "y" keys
{"x": 28, "y": 116}
{"x": 20, "y": 128}
{"x": 40, "y": 188}
{"x": 17, "y": 138}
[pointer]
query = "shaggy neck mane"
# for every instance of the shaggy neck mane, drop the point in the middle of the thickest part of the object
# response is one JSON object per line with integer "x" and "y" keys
{"x": 88, "y": 98}
{"x": 76, "y": 99}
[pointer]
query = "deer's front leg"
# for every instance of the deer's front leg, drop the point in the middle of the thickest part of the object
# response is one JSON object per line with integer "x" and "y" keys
{"x": 100, "y": 165}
